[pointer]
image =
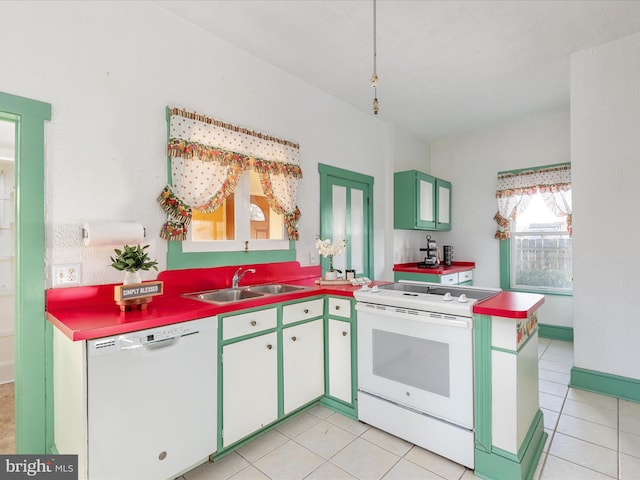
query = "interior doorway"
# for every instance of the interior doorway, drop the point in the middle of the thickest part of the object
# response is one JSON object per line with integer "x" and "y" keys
{"x": 33, "y": 334}
{"x": 7, "y": 238}
{"x": 7, "y": 275}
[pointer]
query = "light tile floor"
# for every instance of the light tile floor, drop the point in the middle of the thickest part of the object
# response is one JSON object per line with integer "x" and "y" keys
{"x": 7, "y": 419}
{"x": 591, "y": 436}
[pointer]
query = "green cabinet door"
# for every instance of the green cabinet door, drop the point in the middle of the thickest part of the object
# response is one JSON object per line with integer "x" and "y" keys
{"x": 443, "y": 204}
{"x": 421, "y": 201}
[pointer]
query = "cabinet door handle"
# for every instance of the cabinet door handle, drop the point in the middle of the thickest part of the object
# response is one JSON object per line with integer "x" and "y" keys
{"x": 337, "y": 307}
{"x": 293, "y": 339}
{"x": 344, "y": 334}
{"x": 269, "y": 347}
{"x": 306, "y": 310}
{"x": 253, "y": 323}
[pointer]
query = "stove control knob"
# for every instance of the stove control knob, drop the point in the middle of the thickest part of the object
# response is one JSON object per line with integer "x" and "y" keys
{"x": 447, "y": 297}
{"x": 375, "y": 289}
{"x": 463, "y": 298}
{"x": 365, "y": 287}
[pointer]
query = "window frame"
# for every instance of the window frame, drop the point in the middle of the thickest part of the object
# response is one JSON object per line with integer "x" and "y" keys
{"x": 505, "y": 260}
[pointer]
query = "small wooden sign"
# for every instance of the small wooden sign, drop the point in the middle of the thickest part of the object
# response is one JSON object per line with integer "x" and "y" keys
{"x": 136, "y": 296}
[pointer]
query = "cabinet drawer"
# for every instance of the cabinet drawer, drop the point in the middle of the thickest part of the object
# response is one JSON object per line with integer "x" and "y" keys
{"x": 465, "y": 276}
{"x": 296, "y": 312}
{"x": 449, "y": 279}
{"x": 248, "y": 323}
{"x": 339, "y": 307}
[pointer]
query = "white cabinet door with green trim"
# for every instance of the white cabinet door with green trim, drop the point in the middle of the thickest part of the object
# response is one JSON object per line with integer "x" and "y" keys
{"x": 303, "y": 364}
{"x": 339, "y": 351}
{"x": 249, "y": 386}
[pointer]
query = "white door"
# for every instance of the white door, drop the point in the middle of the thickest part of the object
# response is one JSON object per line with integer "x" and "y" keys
{"x": 421, "y": 360}
{"x": 340, "y": 360}
{"x": 249, "y": 386}
{"x": 303, "y": 364}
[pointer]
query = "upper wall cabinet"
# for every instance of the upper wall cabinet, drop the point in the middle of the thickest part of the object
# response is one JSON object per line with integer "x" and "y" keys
{"x": 421, "y": 202}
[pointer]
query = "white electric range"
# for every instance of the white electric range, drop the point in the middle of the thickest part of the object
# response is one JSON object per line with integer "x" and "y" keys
{"x": 415, "y": 364}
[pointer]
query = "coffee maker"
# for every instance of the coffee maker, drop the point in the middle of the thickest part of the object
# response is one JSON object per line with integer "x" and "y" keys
{"x": 431, "y": 259}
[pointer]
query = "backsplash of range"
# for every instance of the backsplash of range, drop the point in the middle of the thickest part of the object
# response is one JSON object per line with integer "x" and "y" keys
{"x": 415, "y": 364}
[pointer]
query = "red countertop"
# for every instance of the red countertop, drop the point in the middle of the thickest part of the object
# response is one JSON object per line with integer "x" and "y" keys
{"x": 441, "y": 270}
{"x": 510, "y": 305}
{"x": 84, "y": 313}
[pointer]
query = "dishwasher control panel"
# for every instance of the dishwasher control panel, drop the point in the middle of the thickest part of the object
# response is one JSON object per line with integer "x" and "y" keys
{"x": 103, "y": 346}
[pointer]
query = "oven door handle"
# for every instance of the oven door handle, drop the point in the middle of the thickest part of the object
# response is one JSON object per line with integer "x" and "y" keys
{"x": 415, "y": 315}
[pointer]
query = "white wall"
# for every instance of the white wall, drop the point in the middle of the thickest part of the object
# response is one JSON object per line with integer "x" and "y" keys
{"x": 109, "y": 69}
{"x": 471, "y": 162}
{"x": 407, "y": 153}
{"x": 605, "y": 146}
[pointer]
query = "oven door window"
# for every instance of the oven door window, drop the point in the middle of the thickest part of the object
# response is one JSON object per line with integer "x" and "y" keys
{"x": 413, "y": 361}
{"x": 420, "y": 360}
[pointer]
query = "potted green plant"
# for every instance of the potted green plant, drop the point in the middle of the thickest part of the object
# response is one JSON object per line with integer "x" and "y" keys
{"x": 131, "y": 260}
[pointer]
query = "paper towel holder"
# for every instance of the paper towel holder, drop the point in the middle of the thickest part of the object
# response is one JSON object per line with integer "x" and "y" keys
{"x": 85, "y": 231}
{"x": 85, "y": 234}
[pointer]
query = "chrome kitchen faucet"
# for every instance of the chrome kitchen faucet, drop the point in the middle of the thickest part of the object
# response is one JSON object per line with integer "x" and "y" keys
{"x": 236, "y": 278}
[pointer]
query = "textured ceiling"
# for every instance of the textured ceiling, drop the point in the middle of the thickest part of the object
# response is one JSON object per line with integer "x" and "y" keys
{"x": 445, "y": 67}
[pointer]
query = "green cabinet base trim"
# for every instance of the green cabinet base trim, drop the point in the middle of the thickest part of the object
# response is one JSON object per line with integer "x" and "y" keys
{"x": 555, "y": 332}
{"x": 500, "y": 465}
{"x": 606, "y": 384}
{"x": 416, "y": 277}
{"x": 224, "y": 452}
{"x": 340, "y": 407}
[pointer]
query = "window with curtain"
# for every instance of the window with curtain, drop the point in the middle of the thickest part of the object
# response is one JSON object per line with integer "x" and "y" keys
{"x": 534, "y": 219}
{"x": 218, "y": 171}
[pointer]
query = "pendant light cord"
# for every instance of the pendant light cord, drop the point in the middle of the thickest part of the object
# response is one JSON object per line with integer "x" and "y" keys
{"x": 374, "y": 77}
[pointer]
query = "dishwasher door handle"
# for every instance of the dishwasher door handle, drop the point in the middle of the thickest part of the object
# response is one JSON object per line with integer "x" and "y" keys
{"x": 165, "y": 342}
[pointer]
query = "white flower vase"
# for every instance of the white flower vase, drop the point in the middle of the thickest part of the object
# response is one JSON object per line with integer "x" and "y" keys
{"x": 131, "y": 277}
{"x": 331, "y": 275}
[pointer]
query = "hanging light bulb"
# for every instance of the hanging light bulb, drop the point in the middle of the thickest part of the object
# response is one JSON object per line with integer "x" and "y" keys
{"x": 374, "y": 76}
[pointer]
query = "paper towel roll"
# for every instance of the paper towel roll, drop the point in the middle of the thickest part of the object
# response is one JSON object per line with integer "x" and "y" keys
{"x": 112, "y": 233}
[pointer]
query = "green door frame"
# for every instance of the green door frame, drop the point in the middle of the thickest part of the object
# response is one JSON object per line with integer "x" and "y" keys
{"x": 33, "y": 334}
{"x": 330, "y": 176}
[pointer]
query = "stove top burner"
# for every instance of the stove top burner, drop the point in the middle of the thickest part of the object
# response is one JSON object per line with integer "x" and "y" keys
{"x": 438, "y": 289}
{"x": 426, "y": 296}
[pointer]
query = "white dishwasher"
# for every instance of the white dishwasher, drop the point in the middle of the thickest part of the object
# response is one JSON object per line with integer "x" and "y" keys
{"x": 152, "y": 401}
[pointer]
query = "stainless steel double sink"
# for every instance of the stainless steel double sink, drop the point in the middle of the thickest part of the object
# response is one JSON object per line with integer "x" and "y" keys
{"x": 227, "y": 295}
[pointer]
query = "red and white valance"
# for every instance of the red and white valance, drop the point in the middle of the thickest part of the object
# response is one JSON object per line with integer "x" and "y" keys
{"x": 515, "y": 189}
{"x": 207, "y": 159}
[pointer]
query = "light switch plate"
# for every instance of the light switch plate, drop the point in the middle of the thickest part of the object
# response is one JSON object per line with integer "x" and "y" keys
{"x": 66, "y": 275}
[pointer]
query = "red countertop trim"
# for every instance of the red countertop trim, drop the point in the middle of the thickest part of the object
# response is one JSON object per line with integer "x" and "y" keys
{"x": 85, "y": 313}
{"x": 441, "y": 270}
{"x": 510, "y": 305}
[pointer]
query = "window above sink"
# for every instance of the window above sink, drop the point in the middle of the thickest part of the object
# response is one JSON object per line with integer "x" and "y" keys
{"x": 230, "y": 227}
